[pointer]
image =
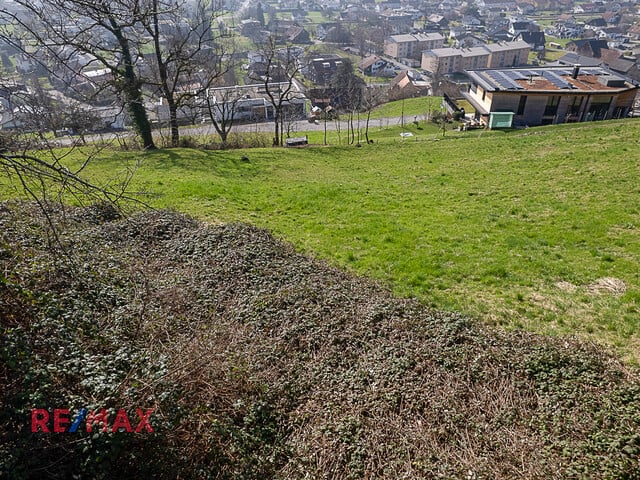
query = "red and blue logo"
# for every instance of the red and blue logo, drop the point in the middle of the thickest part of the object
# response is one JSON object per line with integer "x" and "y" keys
{"x": 43, "y": 421}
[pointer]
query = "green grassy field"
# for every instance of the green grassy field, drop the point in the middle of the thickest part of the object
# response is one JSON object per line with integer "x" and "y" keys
{"x": 411, "y": 106}
{"x": 551, "y": 55}
{"x": 536, "y": 229}
{"x": 316, "y": 17}
{"x": 561, "y": 41}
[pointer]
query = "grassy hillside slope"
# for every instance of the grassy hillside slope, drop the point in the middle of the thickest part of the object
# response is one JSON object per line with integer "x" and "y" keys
{"x": 535, "y": 229}
{"x": 262, "y": 363}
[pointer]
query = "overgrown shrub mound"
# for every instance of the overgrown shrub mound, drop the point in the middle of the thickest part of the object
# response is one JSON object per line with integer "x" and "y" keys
{"x": 263, "y": 363}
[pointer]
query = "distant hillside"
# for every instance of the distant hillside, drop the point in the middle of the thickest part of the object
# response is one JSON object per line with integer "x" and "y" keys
{"x": 263, "y": 363}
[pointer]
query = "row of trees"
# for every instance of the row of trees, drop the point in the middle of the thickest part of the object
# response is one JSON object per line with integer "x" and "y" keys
{"x": 166, "y": 49}
{"x": 275, "y": 79}
{"x": 154, "y": 45}
{"x": 354, "y": 99}
{"x": 163, "y": 48}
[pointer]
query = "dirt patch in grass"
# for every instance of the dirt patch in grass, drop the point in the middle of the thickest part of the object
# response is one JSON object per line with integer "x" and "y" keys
{"x": 566, "y": 286}
{"x": 607, "y": 285}
{"x": 601, "y": 286}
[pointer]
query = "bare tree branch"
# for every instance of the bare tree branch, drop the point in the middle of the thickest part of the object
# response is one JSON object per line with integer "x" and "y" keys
{"x": 187, "y": 59}
{"x": 55, "y": 33}
{"x": 278, "y": 81}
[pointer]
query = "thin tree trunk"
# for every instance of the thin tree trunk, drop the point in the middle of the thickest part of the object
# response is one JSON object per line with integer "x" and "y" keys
{"x": 164, "y": 80}
{"x": 173, "y": 124}
{"x": 352, "y": 136}
{"x": 366, "y": 128}
{"x": 325, "y": 128}
{"x": 276, "y": 134}
{"x": 282, "y": 129}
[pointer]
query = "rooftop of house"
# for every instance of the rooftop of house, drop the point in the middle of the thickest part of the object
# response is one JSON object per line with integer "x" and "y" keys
{"x": 473, "y": 51}
{"x": 248, "y": 92}
{"x": 368, "y": 61}
{"x": 444, "y": 52}
{"x": 550, "y": 79}
{"x": 330, "y": 57}
{"x": 504, "y": 46}
{"x": 571, "y": 58}
{"x": 622, "y": 65}
{"x": 418, "y": 37}
{"x": 479, "y": 50}
{"x": 533, "y": 37}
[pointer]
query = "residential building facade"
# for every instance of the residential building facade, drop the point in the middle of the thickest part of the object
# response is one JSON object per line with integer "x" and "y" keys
{"x": 487, "y": 6}
{"x": 442, "y": 61}
{"x": 550, "y": 95}
{"x": 244, "y": 103}
{"x": 374, "y": 65}
{"x": 320, "y": 69}
{"x": 411, "y": 45}
{"x": 508, "y": 54}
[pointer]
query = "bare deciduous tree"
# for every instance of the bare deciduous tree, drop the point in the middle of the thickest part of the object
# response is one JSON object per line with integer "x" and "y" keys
{"x": 278, "y": 82}
{"x": 371, "y": 98}
{"x": 48, "y": 175}
{"x": 347, "y": 89}
{"x": 55, "y": 32}
{"x": 186, "y": 58}
{"x": 221, "y": 106}
{"x": 36, "y": 111}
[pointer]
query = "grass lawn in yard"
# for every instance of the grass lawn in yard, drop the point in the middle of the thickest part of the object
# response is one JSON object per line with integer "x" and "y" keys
{"x": 536, "y": 229}
{"x": 411, "y": 106}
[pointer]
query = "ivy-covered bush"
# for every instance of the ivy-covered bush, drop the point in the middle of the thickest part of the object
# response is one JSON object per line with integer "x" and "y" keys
{"x": 261, "y": 363}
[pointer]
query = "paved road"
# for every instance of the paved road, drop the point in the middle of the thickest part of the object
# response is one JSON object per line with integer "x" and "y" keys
{"x": 207, "y": 129}
{"x": 299, "y": 126}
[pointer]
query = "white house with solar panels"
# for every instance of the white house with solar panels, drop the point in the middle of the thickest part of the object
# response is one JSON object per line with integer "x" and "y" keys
{"x": 548, "y": 95}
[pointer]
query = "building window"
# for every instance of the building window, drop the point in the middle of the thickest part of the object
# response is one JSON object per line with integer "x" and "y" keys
{"x": 620, "y": 112}
{"x": 574, "y": 105}
{"x": 599, "y": 108}
{"x": 552, "y": 106}
{"x": 522, "y": 105}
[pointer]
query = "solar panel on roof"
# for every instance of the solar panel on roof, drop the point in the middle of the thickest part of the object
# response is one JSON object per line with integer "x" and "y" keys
{"x": 515, "y": 75}
{"x": 503, "y": 80}
{"x": 494, "y": 78}
{"x": 557, "y": 80}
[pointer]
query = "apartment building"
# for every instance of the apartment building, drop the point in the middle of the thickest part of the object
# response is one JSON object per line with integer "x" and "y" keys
{"x": 411, "y": 45}
{"x": 441, "y": 61}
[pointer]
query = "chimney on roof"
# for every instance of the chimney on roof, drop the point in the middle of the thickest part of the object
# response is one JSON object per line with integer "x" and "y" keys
{"x": 576, "y": 71}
